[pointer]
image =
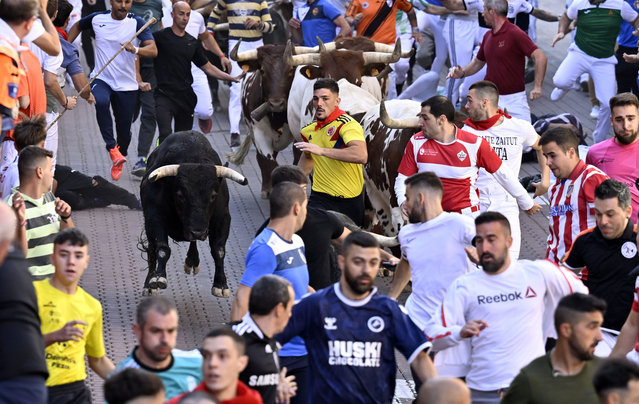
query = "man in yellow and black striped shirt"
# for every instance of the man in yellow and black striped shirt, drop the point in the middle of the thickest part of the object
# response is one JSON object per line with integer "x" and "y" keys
{"x": 248, "y": 20}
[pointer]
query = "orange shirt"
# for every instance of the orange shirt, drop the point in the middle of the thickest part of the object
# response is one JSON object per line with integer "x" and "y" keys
{"x": 32, "y": 84}
{"x": 378, "y": 22}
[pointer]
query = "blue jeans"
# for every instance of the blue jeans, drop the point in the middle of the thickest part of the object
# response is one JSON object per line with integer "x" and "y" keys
{"x": 123, "y": 104}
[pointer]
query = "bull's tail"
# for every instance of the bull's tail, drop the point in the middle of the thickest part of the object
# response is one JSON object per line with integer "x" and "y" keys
{"x": 238, "y": 157}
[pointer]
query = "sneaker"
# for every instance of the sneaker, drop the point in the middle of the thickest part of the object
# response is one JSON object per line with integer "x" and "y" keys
{"x": 235, "y": 140}
{"x": 118, "y": 161}
{"x": 594, "y": 113}
{"x": 205, "y": 125}
{"x": 557, "y": 94}
{"x": 140, "y": 167}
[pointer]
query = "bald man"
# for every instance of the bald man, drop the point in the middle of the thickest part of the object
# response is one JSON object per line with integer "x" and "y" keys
{"x": 24, "y": 371}
{"x": 444, "y": 390}
{"x": 174, "y": 96}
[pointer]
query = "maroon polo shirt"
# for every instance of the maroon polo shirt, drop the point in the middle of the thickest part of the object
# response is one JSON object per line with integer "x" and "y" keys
{"x": 505, "y": 55}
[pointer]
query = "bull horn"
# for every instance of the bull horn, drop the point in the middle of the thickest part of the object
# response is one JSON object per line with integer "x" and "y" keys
{"x": 383, "y": 241}
{"x": 164, "y": 171}
{"x": 384, "y": 48}
{"x": 384, "y": 73}
{"x": 403, "y": 123}
{"x": 298, "y": 60}
{"x": 225, "y": 172}
{"x": 243, "y": 56}
{"x": 320, "y": 44}
{"x": 301, "y": 50}
{"x": 219, "y": 27}
{"x": 258, "y": 113}
{"x": 380, "y": 57}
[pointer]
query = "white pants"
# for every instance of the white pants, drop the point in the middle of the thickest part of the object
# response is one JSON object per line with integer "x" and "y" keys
{"x": 423, "y": 88}
{"x": 506, "y": 205}
{"x": 473, "y": 78}
{"x": 51, "y": 142}
{"x": 235, "y": 102}
{"x": 516, "y": 104}
{"x": 460, "y": 33}
{"x": 602, "y": 72}
{"x": 400, "y": 69}
{"x": 436, "y": 24}
{"x": 204, "y": 106}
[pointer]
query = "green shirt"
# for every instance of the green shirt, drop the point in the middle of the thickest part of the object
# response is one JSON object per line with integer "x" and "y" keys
{"x": 535, "y": 384}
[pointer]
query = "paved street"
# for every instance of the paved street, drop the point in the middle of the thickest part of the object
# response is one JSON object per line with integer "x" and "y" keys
{"x": 117, "y": 269}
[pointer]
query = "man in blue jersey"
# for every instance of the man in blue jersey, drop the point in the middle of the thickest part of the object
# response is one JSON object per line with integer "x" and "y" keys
{"x": 156, "y": 330}
{"x": 317, "y": 19}
{"x": 352, "y": 332}
{"x": 278, "y": 250}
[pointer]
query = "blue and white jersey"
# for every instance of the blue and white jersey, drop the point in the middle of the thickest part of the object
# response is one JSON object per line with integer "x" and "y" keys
{"x": 317, "y": 21}
{"x": 182, "y": 375}
{"x": 271, "y": 254}
{"x": 109, "y": 33}
{"x": 351, "y": 345}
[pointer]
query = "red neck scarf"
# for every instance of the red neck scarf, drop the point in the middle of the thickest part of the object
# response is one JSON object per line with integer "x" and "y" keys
{"x": 488, "y": 123}
{"x": 62, "y": 32}
{"x": 333, "y": 116}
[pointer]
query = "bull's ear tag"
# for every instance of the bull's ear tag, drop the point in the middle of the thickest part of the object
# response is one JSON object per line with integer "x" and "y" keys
{"x": 245, "y": 68}
{"x": 307, "y": 72}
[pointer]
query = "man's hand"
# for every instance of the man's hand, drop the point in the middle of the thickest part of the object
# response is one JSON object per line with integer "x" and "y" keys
{"x": 226, "y": 64}
{"x": 62, "y": 208}
{"x": 144, "y": 86}
{"x": 287, "y": 388}
{"x": 295, "y": 23}
{"x": 417, "y": 36}
{"x": 309, "y": 148}
{"x": 456, "y": 72}
{"x": 43, "y": 4}
{"x": 631, "y": 58}
{"x": 91, "y": 99}
{"x": 129, "y": 48}
{"x": 558, "y": 37}
{"x": 536, "y": 208}
{"x": 471, "y": 253}
{"x": 71, "y": 103}
{"x": 250, "y": 23}
{"x": 237, "y": 79}
{"x": 69, "y": 332}
{"x": 535, "y": 93}
{"x": 17, "y": 202}
{"x": 540, "y": 188}
{"x": 357, "y": 19}
{"x": 473, "y": 328}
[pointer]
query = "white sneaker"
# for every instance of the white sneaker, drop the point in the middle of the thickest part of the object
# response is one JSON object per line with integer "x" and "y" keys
{"x": 594, "y": 113}
{"x": 557, "y": 94}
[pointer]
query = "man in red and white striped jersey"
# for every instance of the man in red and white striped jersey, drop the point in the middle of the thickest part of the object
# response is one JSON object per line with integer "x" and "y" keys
{"x": 456, "y": 157}
{"x": 572, "y": 197}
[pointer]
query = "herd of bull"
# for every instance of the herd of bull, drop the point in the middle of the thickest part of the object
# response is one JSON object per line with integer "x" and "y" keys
{"x": 184, "y": 195}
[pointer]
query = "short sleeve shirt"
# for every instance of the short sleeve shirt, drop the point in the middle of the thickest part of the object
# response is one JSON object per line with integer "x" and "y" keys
{"x": 333, "y": 177}
{"x": 378, "y": 22}
{"x": 317, "y": 21}
{"x": 65, "y": 360}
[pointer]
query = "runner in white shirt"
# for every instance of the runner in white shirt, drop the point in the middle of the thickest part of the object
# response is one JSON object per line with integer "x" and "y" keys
{"x": 431, "y": 235}
{"x": 197, "y": 29}
{"x": 508, "y": 136}
{"x": 117, "y": 85}
{"x": 503, "y": 310}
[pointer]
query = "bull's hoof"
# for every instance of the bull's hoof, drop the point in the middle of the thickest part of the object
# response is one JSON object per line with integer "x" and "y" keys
{"x": 217, "y": 292}
{"x": 158, "y": 282}
{"x": 265, "y": 194}
{"x": 188, "y": 269}
{"x": 149, "y": 292}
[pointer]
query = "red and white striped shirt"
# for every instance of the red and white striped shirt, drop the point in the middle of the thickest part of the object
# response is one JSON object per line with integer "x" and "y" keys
{"x": 457, "y": 165}
{"x": 572, "y": 210}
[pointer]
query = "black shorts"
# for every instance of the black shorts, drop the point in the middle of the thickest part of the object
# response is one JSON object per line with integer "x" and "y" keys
{"x": 351, "y": 207}
{"x": 74, "y": 392}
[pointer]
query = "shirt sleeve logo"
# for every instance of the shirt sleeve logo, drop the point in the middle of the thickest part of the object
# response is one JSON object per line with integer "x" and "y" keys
{"x": 629, "y": 249}
{"x": 375, "y": 324}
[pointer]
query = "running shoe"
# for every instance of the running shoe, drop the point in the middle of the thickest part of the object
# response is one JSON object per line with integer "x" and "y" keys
{"x": 118, "y": 161}
{"x": 140, "y": 167}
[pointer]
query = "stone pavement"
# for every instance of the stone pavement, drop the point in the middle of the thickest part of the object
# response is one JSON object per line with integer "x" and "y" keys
{"x": 116, "y": 271}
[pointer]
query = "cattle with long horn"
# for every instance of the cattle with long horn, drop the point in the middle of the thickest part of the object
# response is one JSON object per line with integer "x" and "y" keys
{"x": 185, "y": 197}
{"x": 265, "y": 90}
